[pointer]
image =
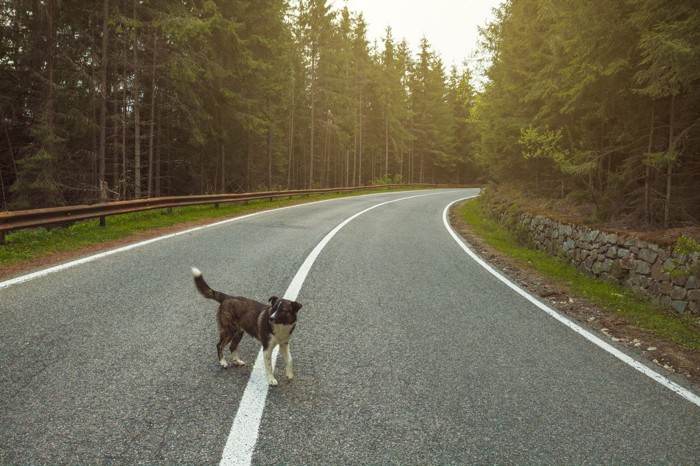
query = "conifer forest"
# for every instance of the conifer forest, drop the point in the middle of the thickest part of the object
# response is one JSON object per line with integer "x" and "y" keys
{"x": 104, "y": 100}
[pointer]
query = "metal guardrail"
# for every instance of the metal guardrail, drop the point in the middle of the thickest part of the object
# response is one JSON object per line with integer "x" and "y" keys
{"x": 21, "y": 219}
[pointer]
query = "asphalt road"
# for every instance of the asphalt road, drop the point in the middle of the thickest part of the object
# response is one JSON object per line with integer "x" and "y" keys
{"x": 407, "y": 351}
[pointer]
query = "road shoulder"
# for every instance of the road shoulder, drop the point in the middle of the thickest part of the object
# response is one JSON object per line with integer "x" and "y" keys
{"x": 672, "y": 359}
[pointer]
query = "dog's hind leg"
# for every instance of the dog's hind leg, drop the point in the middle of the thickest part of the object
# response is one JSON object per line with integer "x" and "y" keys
{"x": 224, "y": 338}
{"x": 288, "y": 369}
{"x": 234, "y": 348}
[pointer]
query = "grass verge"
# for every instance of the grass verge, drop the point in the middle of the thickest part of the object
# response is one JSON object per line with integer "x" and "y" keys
{"x": 26, "y": 245}
{"x": 612, "y": 298}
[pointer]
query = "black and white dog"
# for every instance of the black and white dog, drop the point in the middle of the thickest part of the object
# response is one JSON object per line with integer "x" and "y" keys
{"x": 271, "y": 325}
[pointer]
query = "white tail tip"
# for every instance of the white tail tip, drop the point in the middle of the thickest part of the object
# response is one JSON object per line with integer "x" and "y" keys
{"x": 196, "y": 272}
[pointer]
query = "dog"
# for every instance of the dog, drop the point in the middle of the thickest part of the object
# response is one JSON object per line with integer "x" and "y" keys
{"x": 271, "y": 325}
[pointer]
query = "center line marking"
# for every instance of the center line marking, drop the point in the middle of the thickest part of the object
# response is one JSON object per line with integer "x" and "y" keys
{"x": 244, "y": 431}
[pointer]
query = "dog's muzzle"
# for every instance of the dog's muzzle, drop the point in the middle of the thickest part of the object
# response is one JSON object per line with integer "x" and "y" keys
{"x": 275, "y": 314}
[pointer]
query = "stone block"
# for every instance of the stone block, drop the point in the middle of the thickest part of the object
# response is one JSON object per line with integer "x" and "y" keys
{"x": 647, "y": 255}
{"x": 634, "y": 280}
{"x": 607, "y": 265}
{"x": 643, "y": 268}
{"x": 678, "y": 293}
{"x": 680, "y": 279}
{"x": 665, "y": 287}
{"x": 611, "y": 238}
{"x": 628, "y": 263}
{"x": 680, "y": 306}
{"x": 569, "y": 244}
{"x": 654, "y": 289}
{"x": 669, "y": 265}
{"x": 617, "y": 271}
{"x": 657, "y": 270}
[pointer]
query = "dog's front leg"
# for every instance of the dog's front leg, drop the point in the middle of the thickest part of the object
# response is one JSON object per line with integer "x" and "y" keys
{"x": 267, "y": 356}
{"x": 288, "y": 369}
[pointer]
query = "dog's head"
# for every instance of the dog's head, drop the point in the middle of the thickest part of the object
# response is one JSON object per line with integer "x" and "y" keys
{"x": 283, "y": 311}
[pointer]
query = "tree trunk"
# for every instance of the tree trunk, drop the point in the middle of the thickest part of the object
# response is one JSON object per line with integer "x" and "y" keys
{"x": 386, "y": 144}
{"x": 137, "y": 118}
{"x": 269, "y": 157}
{"x": 290, "y": 156}
{"x": 49, "y": 142}
{"x": 249, "y": 165}
{"x": 222, "y": 162}
{"x": 669, "y": 171}
{"x": 647, "y": 170}
{"x": 313, "y": 112}
{"x": 325, "y": 157}
{"x": 115, "y": 130}
{"x": 359, "y": 157}
{"x": 125, "y": 121}
{"x": 159, "y": 130}
{"x": 102, "y": 157}
{"x": 151, "y": 136}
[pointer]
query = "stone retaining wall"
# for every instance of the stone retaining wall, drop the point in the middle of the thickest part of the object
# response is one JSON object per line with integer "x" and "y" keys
{"x": 646, "y": 268}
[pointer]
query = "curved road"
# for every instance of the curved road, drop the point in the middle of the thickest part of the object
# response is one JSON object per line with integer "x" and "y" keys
{"x": 407, "y": 351}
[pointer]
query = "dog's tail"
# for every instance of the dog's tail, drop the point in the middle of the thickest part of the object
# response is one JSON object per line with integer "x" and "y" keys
{"x": 204, "y": 289}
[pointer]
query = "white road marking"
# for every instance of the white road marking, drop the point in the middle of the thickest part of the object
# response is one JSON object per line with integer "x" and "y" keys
{"x": 244, "y": 431}
{"x": 84, "y": 260}
{"x": 687, "y": 394}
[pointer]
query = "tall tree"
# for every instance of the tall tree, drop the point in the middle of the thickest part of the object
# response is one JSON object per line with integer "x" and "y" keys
{"x": 316, "y": 20}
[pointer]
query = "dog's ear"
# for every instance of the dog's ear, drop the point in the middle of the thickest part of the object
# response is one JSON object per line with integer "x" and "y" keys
{"x": 273, "y": 300}
{"x": 296, "y": 306}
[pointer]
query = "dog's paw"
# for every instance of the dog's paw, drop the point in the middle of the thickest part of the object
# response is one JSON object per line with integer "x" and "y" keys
{"x": 223, "y": 363}
{"x": 238, "y": 362}
{"x": 289, "y": 374}
{"x": 272, "y": 382}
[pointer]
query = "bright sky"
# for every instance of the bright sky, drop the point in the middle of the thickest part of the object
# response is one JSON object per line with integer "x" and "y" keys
{"x": 449, "y": 25}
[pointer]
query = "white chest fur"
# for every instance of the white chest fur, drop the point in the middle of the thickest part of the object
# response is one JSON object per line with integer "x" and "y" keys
{"x": 281, "y": 333}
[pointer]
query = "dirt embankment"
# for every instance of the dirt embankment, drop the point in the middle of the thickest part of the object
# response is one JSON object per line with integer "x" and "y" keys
{"x": 584, "y": 213}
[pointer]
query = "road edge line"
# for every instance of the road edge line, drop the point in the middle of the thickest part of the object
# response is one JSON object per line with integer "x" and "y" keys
{"x": 57, "y": 268}
{"x": 671, "y": 385}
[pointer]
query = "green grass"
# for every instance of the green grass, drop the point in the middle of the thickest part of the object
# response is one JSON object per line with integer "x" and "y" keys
{"x": 25, "y": 245}
{"x": 613, "y": 298}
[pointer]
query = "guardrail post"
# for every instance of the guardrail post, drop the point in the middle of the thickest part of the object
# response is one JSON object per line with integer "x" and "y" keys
{"x": 103, "y": 221}
{"x": 2, "y": 237}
